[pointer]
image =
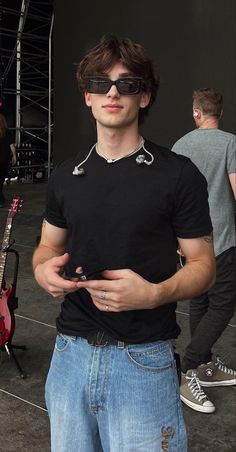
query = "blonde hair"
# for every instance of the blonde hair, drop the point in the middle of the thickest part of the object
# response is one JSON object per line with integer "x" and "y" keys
{"x": 3, "y": 126}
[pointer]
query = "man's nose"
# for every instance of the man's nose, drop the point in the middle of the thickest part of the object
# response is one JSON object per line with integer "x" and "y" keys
{"x": 113, "y": 91}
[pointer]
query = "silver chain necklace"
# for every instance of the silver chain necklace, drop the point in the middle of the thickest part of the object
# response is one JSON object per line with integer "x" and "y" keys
{"x": 109, "y": 160}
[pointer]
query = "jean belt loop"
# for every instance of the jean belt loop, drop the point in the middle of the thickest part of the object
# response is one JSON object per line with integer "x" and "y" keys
{"x": 99, "y": 338}
{"x": 120, "y": 344}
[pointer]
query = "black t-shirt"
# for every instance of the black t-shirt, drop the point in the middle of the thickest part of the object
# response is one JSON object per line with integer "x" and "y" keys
{"x": 124, "y": 215}
{"x": 5, "y": 150}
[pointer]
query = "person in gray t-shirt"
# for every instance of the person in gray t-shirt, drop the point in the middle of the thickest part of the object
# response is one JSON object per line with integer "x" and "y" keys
{"x": 213, "y": 151}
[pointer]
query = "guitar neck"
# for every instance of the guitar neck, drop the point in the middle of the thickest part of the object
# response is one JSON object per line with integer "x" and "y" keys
{"x": 15, "y": 205}
{"x": 5, "y": 244}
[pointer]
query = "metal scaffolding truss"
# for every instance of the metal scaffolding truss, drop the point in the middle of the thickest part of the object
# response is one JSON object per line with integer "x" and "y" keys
{"x": 26, "y": 28}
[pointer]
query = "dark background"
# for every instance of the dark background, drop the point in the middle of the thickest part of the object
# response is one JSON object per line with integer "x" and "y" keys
{"x": 192, "y": 44}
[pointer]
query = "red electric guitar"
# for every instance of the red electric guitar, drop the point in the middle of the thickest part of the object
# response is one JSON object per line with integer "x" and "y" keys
{"x": 7, "y": 319}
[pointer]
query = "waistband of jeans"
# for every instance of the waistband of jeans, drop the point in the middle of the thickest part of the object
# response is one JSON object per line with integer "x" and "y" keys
{"x": 102, "y": 339}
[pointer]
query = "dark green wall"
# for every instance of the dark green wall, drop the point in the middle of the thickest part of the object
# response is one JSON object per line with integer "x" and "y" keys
{"x": 192, "y": 43}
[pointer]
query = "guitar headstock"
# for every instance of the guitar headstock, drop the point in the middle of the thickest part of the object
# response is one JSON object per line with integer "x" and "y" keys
{"x": 15, "y": 205}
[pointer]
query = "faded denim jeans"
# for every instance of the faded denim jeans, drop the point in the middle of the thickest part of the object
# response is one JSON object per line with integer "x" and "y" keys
{"x": 121, "y": 398}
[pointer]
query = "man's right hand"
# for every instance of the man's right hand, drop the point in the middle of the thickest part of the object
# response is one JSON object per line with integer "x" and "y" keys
{"x": 48, "y": 277}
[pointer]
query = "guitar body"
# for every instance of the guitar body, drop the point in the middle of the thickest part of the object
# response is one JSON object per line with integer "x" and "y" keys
{"x": 7, "y": 319}
{"x": 4, "y": 334}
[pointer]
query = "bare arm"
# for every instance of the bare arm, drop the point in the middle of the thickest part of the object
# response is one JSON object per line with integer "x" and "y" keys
{"x": 13, "y": 153}
{"x": 49, "y": 259}
{"x": 52, "y": 243}
{"x": 198, "y": 273}
{"x": 126, "y": 290}
{"x": 232, "y": 179}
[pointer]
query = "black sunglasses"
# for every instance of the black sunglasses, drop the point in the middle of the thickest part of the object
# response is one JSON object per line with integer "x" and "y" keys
{"x": 124, "y": 85}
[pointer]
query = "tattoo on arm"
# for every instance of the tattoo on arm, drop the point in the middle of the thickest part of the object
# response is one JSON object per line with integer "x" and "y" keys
{"x": 208, "y": 238}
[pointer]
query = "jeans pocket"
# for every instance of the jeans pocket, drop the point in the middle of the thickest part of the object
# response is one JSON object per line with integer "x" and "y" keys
{"x": 150, "y": 357}
{"x": 61, "y": 343}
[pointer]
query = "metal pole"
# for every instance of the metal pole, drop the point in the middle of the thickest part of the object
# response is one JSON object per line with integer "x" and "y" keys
{"x": 18, "y": 86}
{"x": 50, "y": 97}
{"x": 23, "y": 13}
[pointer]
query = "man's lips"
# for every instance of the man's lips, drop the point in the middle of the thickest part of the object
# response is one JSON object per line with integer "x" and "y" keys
{"x": 112, "y": 107}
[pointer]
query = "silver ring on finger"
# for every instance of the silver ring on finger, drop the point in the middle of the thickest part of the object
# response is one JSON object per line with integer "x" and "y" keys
{"x": 107, "y": 308}
{"x": 102, "y": 295}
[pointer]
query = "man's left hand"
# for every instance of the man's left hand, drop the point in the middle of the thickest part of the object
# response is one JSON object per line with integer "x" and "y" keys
{"x": 121, "y": 290}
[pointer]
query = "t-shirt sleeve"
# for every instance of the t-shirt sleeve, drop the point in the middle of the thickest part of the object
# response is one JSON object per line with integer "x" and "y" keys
{"x": 231, "y": 155}
{"x": 191, "y": 217}
{"x": 54, "y": 214}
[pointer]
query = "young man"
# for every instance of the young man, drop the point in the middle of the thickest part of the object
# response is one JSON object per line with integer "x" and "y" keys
{"x": 117, "y": 212}
{"x": 214, "y": 152}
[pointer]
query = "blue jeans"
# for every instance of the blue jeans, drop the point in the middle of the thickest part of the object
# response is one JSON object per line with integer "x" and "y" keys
{"x": 121, "y": 398}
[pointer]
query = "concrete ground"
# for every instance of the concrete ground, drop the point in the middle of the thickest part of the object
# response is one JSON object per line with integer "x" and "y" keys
{"x": 24, "y": 423}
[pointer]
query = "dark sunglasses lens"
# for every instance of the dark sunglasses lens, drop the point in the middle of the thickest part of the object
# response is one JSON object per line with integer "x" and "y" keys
{"x": 128, "y": 86}
{"x": 98, "y": 86}
{"x": 125, "y": 85}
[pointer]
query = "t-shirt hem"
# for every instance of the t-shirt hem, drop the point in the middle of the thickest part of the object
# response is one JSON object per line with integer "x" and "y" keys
{"x": 165, "y": 336}
{"x": 194, "y": 234}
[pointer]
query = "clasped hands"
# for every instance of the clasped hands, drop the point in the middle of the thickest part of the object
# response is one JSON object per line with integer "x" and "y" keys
{"x": 120, "y": 290}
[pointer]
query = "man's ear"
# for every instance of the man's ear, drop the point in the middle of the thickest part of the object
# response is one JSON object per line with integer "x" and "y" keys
{"x": 196, "y": 113}
{"x": 87, "y": 98}
{"x": 145, "y": 99}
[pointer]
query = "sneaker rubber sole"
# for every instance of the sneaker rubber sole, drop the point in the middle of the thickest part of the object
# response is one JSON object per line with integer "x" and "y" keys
{"x": 209, "y": 408}
{"x": 211, "y": 384}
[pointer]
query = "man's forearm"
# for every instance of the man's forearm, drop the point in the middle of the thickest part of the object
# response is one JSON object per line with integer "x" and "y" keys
{"x": 42, "y": 254}
{"x": 190, "y": 281}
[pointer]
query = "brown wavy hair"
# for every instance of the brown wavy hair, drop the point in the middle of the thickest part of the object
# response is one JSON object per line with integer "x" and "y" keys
{"x": 112, "y": 49}
{"x": 3, "y": 126}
